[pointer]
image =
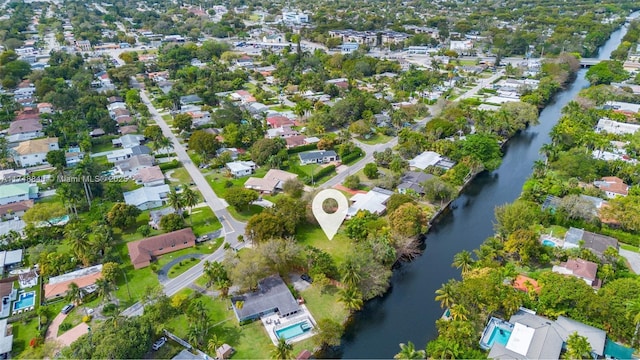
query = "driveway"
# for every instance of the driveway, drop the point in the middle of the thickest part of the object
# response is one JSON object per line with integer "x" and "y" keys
{"x": 52, "y": 331}
{"x": 69, "y": 336}
{"x": 633, "y": 258}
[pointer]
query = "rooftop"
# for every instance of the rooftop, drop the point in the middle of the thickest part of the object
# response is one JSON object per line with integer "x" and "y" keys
{"x": 37, "y": 146}
{"x": 142, "y": 251}
{"x": 59, "y": 285}
{"x": 272, "y": 293}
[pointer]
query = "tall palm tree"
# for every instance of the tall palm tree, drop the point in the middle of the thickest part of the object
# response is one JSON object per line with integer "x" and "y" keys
{"x": 116, "y": 317}
{"x": 213, "y": 344}
{"x": 163, "y": 143}
{"x": 633, "y": 312}
{"x": 283, "y": 350}
{"x": 105, "y": 288}
{"x": 75, "y": 293}
{"x": 175, "y": 200}
{"x": 351, "y": 298}
{"x": 351, "y": 273}
{"x": 408, "y": 351}
{"x": 189, "y": 199}
{"x": 463, "y": 260}
{"x": 445, "y": 294}
{"x": 78, "y": 239}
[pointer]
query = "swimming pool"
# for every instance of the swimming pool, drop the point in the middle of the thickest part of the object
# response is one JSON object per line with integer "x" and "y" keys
{"x": 58, "y": 221}
{"x": 25, "y": 300}
{"x": 294, "y": 330}
{"x": 500, "y": 336}
{"x": 547, "y": 242}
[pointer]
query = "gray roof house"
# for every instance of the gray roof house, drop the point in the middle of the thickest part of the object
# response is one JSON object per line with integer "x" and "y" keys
{"x": 131, "y": 166}
{"x": 536, "y": 337}
{"x": 411, "y": 181}
{"x": 272, "y": 295}
{"x": 190, "y": 99}
{"x": 128, "y": 141}
{"x": 317, "y": 157}
{"x": 597, "y": 243}
{"x": 147, "y": 197}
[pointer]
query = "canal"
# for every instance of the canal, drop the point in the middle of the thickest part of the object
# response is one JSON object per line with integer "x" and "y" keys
{"x": 408, "y": 312}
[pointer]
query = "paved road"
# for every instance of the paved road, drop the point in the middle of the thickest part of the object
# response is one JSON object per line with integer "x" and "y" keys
{"x": 231, "y": 227}
{"x": 633, "y": 258}
{"x": 370, "y": 149}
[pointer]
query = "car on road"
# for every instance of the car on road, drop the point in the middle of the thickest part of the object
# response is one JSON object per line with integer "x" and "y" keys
{"x": 67, "y": 309}
{"x": 306, "y": 278}
{"x": 158, "y": 344}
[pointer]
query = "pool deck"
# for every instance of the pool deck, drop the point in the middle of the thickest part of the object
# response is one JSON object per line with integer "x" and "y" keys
{"x": 488, "y": 330}
{"x": 557, "y": 241}
{"x": 284, "y": 322}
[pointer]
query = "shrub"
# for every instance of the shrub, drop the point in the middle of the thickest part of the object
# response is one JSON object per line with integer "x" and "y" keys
{"x": 65, "y": 326}
{"x": 174, "y": 164}
{"x": 86, "y": 319}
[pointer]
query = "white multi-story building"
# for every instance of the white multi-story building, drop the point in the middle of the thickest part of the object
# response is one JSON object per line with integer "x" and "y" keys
{"x": 34, "y": 152}
{"x": 294, "y": 17}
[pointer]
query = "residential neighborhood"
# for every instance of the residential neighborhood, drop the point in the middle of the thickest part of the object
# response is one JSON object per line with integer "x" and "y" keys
{"x": 160, "y": 161}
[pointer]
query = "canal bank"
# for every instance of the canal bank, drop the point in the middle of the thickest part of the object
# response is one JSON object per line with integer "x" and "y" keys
{"x": 408, "y": 311}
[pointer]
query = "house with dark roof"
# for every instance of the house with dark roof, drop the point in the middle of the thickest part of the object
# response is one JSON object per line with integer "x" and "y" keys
{"x": 598, "y": 244}
{"x": 15, "y": 210}
{"x": 272, "y": 296}
{"x": 411, "y": 182}
{"x": 21, "y": 130}
{"x": 142, "y": 252}
{"x": 190, "y": 99}
{"x": 317, "y": 157}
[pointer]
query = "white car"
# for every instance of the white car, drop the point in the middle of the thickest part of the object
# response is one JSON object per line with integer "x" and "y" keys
{"x": 158, "y": 344}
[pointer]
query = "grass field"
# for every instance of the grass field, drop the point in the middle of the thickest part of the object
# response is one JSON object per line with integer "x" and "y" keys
{"x": 339, "y": 247}
{"x": 180, "y": 176}
{"x": 245, "y": 215}
{"x": 203, "y": 221}
{"x": 375, "y": 139}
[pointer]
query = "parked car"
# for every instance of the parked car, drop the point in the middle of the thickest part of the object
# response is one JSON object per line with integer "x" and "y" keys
{"x": 67, "y": 308}
{"x": 158, "y": 344}
{"x": 306, "y": 278}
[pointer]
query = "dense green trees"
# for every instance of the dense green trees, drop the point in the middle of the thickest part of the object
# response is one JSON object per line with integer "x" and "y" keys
{"x": 606, "y": 72}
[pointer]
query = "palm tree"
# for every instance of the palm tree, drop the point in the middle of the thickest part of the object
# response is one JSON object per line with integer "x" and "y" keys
{"x": 351, "y": 273}
{"x": 408, "y": 351}
{"x": 75, "y": 293}
{"x": 463, "y": 260}
{"x": 175, "y": 200}
{"x": 189, "y": 199}
{"x": 213, "y": 344}
{"x": 283, "y": 350}
{"x": 633, "y": 312}
{"x": 459, "y": 312}
{"x": 445, "y": 294}
{"x": 162, "y": 143}
{"x": 578, "y": 347}
{"x": 105, "y": 288}
{"x": 115, "y": 317}
{"x": 79, "y": 241}
{"x": 351, "y": 298}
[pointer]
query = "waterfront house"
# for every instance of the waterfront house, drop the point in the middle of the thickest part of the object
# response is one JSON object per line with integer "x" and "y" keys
{"x": 598, "y": 244}
{"x": 411, "y": 182}
{"x": 582, "y": 269}
{"x": 373, "y": 201}
{"x": 272, "y": 295}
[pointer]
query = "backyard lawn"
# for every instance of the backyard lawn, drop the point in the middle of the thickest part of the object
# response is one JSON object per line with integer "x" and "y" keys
{"x": 339, "y": 247}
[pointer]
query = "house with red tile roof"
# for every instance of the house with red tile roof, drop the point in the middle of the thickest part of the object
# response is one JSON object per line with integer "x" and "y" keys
{"x": 613, "y": 186}
{"x": 142, "y": 252}
{"x": 84, "y": 278}
{"x": 582, "y": 269}
{"x": 526, "y": 284}
{"x": 278, "y": 121}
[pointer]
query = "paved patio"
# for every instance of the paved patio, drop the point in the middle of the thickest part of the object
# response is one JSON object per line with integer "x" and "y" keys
{"x": 274, "y": 321}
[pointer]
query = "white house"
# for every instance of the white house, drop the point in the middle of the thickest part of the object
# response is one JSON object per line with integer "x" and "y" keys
{"x": 373, "y": 201}
{"x": 241, "y": 168}
{"x": 148, "y": 197}
{"x": 118, "y": 155}
{"x": 15, "y": 192}
{"x": 317, "y": 157}
{"x": 34, "y": 152}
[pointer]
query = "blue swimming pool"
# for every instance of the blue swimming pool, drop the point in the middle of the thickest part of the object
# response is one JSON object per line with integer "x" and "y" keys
{"x": 500, "y": 336}
{"x": 294, "y": 330}
{"x": 547, "y": 242}
{"x": 25, "y": 300}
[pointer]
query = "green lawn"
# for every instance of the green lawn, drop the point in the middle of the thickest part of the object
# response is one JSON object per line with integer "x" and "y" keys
{"x": 630, "y": 247}
{"x": 131, "y": 234}
{"x": 339, "y": 247}
{"x": 23, "y": 333}
{"x": 181, "y": 176}
{"x": 203, "y": 221}
{"x": 139, "y": 280}
{"x": 280, "y": 108}
{"x": 181, "y": 267}
{"x": 245, "y": 215}
{"x": 97, "y": 148}
{"x": 204, "y": 248}
{"x": 324, "y": 302}
{"x": 375, "y": 139}
{"x": 218, "y": 181}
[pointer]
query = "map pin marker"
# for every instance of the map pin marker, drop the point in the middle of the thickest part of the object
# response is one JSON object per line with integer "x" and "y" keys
{"x": 330, "y": 223}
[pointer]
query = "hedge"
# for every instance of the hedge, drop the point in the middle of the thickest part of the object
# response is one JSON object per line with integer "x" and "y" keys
{"x": 174, "y": 164}
{"x": 347, "y": 159}
{"x": 298, "y": 149}
{"x": 324, "y": 172}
